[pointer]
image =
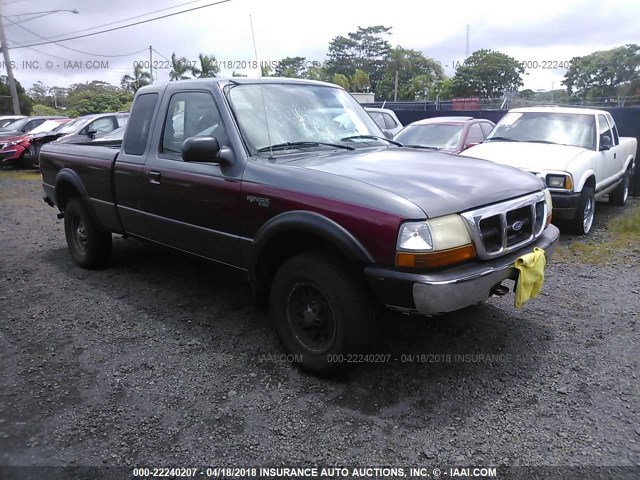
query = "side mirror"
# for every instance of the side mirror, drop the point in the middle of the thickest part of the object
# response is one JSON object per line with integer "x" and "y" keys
{"x": 92, "y": 133}
{"x": 387, "y": 133}
{"x": 605, "y": 142}
{"x": 205, "y": 149}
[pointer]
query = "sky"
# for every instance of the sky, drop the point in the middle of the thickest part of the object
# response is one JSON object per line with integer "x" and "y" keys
{"x": 544, "y": 34}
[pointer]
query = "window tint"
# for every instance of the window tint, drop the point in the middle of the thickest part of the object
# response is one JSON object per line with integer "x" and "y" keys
{"x": 390, "y": 122}
{"x": 486, "y": 128}
{"x": 474, "y": 135}
{"x": 135, "y": 140}
{"x": 614, "y": 129}
{"x": 192, "y": 114}
{"x": 603, "y": 128}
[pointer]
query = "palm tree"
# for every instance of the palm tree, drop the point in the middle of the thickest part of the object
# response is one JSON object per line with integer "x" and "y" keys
{"x": 139, "y": 79}
{"x": 179, "y": 68}
{"x": 208, "y": 67}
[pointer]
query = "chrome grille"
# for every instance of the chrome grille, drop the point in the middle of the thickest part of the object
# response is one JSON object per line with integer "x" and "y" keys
{"x": 503, "y": 227}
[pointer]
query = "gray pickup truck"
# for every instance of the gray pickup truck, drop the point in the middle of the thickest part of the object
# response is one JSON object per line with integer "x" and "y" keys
{"x": 293, "y": 183}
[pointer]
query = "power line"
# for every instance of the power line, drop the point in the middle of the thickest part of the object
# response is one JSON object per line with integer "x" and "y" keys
{"x": 126, "y": 26}
{"x": 68, "y": 48}
{"x": 125, "y": 19}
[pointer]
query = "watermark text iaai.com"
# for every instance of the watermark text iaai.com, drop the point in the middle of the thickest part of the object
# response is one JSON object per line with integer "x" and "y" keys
{"x": 57, "y": 65}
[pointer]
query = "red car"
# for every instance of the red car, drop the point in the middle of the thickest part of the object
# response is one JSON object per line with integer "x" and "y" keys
{"x": 449, "y": 134}
{"x": 16, "y": 148}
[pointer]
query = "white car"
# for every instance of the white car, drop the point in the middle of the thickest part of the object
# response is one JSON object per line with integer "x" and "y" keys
{"x": 386, "y": 120}
{"x": 576, "y": 151}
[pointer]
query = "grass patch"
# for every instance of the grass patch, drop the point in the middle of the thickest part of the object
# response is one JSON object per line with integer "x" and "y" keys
{"x": 621, "y": 232}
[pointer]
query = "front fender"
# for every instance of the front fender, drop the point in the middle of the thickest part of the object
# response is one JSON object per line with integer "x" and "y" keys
{"x": 310, "y": 223}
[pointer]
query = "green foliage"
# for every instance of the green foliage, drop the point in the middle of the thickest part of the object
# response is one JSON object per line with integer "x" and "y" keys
{"x": 132, "y": 83}
{"x": 417, "y": 75}
{"x": 487, "y": 74}
{"x": 319, "y": 73}
{"x": 93, "y": 97}
{"x": 527, "y": 94}
{"x": 443, "y": 89}
{"x": 6, "y": 104}
{"x": 292, "y": 67}
{"x": 236, "y": 74}
{"x": 359, "y": 81}
{"x": 364, "y": 49}
{"x": 179, "y": 68}
{"x": 602, "y": 73}
{"x": 207, "y": 67}
{"x": 342, "y": 80}
{"x": 39, "y": 109}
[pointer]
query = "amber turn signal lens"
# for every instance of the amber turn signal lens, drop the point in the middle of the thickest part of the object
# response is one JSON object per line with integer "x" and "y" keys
{"x": 435, "y": 259}
{"x": 568, "y": 184}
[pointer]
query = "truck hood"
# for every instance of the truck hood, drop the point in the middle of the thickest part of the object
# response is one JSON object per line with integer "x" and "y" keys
{"x": 532, "y": 157}
{"x": 438, "y": 183}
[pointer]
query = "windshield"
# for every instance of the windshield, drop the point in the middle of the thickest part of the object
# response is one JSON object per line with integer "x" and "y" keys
{"x": 71, "y": 126}
{"x": 7, "y": 121}
{"x": 15, "y": 126}
{"x": 300, "y": 113}
{"x": 47, "y": 126}
{"x": 444, "y": 136}
{"x": 546, "y": 127}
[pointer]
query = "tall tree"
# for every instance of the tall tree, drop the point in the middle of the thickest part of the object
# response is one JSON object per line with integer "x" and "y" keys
{"x": 179, "y": 68}
{"x": 604, "y": 73}
{"x": 207, "y": 68}
{"x": 342, "y": 80}
{"x": 292, "y": 67}
{"x": 132, "y": 83}
{"x": 417, "y": 74}
{"x": 6, "y": 107}
{"x": 364, "y": 49}
{"x": 359, "y": 81}
{"x": 487, "y": 74}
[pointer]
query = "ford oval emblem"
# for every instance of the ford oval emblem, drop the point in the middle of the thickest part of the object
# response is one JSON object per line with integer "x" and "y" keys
{"x": 517, "y": 226}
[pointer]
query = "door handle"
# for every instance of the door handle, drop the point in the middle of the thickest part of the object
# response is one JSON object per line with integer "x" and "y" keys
{"x": 154, "y": 177}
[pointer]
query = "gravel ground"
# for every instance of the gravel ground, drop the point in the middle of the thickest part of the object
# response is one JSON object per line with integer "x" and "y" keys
{"x": 162, "y": 360}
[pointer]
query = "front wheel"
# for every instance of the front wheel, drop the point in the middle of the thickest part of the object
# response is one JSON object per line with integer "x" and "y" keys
{"x": 322, "y": 312}
{"x": 621, "y": 193}
{"x": 585, "y": 212}
{"x": 89, "y": 247}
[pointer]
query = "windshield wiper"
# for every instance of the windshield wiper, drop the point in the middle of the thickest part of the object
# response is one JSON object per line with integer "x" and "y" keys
{"x": 421, "y": 146}
{"x": 294, "y": 145}
{"x": 501, "y": 139}
{"x": 370, "y": 137}
{"x": 542, "y": 141}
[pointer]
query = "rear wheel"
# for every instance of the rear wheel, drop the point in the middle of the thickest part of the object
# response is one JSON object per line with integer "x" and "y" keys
{"x": 322, "y": 312}
{"x": 89, "y": 247}
{"x": 621, "y": 193}
{"x": 583, "y": 220}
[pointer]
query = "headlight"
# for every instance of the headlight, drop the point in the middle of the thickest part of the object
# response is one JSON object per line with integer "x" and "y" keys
{"x": 560, "y": 181}
{"x": 10, "y": 144}
{"x": 434, "y": 243}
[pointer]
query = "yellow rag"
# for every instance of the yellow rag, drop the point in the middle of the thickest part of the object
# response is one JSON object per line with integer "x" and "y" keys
{"x": 531, "y": 267}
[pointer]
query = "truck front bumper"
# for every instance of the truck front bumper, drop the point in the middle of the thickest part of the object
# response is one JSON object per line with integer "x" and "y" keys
{"x": 565, "y": 205}
{"x": 452, "y": 288}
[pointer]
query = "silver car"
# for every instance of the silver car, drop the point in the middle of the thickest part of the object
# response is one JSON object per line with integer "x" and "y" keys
{"x": 386, "y": 120}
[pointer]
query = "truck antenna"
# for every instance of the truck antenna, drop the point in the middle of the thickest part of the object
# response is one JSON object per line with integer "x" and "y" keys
{"x": 264, "y": 105}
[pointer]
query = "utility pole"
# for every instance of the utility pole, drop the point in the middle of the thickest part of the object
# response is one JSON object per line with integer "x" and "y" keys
{"x": 466, "y": 50}
{"x": 552, "y": 91}
{"x": 395, "y": 91}
{"x": 151, "y": 62}
{"x": 7, "y": 63}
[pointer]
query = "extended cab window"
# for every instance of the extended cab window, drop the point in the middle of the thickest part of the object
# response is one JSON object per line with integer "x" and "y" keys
{"x": 135, "y": 140}
{"x": 604, "y": 129}
{"x": 192, "y": 114}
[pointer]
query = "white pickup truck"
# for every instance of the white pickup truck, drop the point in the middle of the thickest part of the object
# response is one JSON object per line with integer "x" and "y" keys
{"x": 576, "y": 151}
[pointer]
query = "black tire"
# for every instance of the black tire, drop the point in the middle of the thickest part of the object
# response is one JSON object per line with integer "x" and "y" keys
{"x": 621, "y": 192}
{"x": 25, "y": 161}
{"x": 583, "y": 220}
{"x": 322, "y": 312}
{"x": 89, "y": 247}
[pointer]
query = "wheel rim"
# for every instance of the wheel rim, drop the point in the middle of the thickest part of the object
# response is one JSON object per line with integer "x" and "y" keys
{"x": 311, "y": 318}
{"x": 80, "y": 237}
{"x": 587, "y": 217}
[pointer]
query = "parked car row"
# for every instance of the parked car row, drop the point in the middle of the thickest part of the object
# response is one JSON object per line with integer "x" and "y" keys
{"x": 577, "y": 152}
{"x": 22, "y": 137}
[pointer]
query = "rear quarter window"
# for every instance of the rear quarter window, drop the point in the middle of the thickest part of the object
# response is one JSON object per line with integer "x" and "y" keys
{"x": 135, "y": 139}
